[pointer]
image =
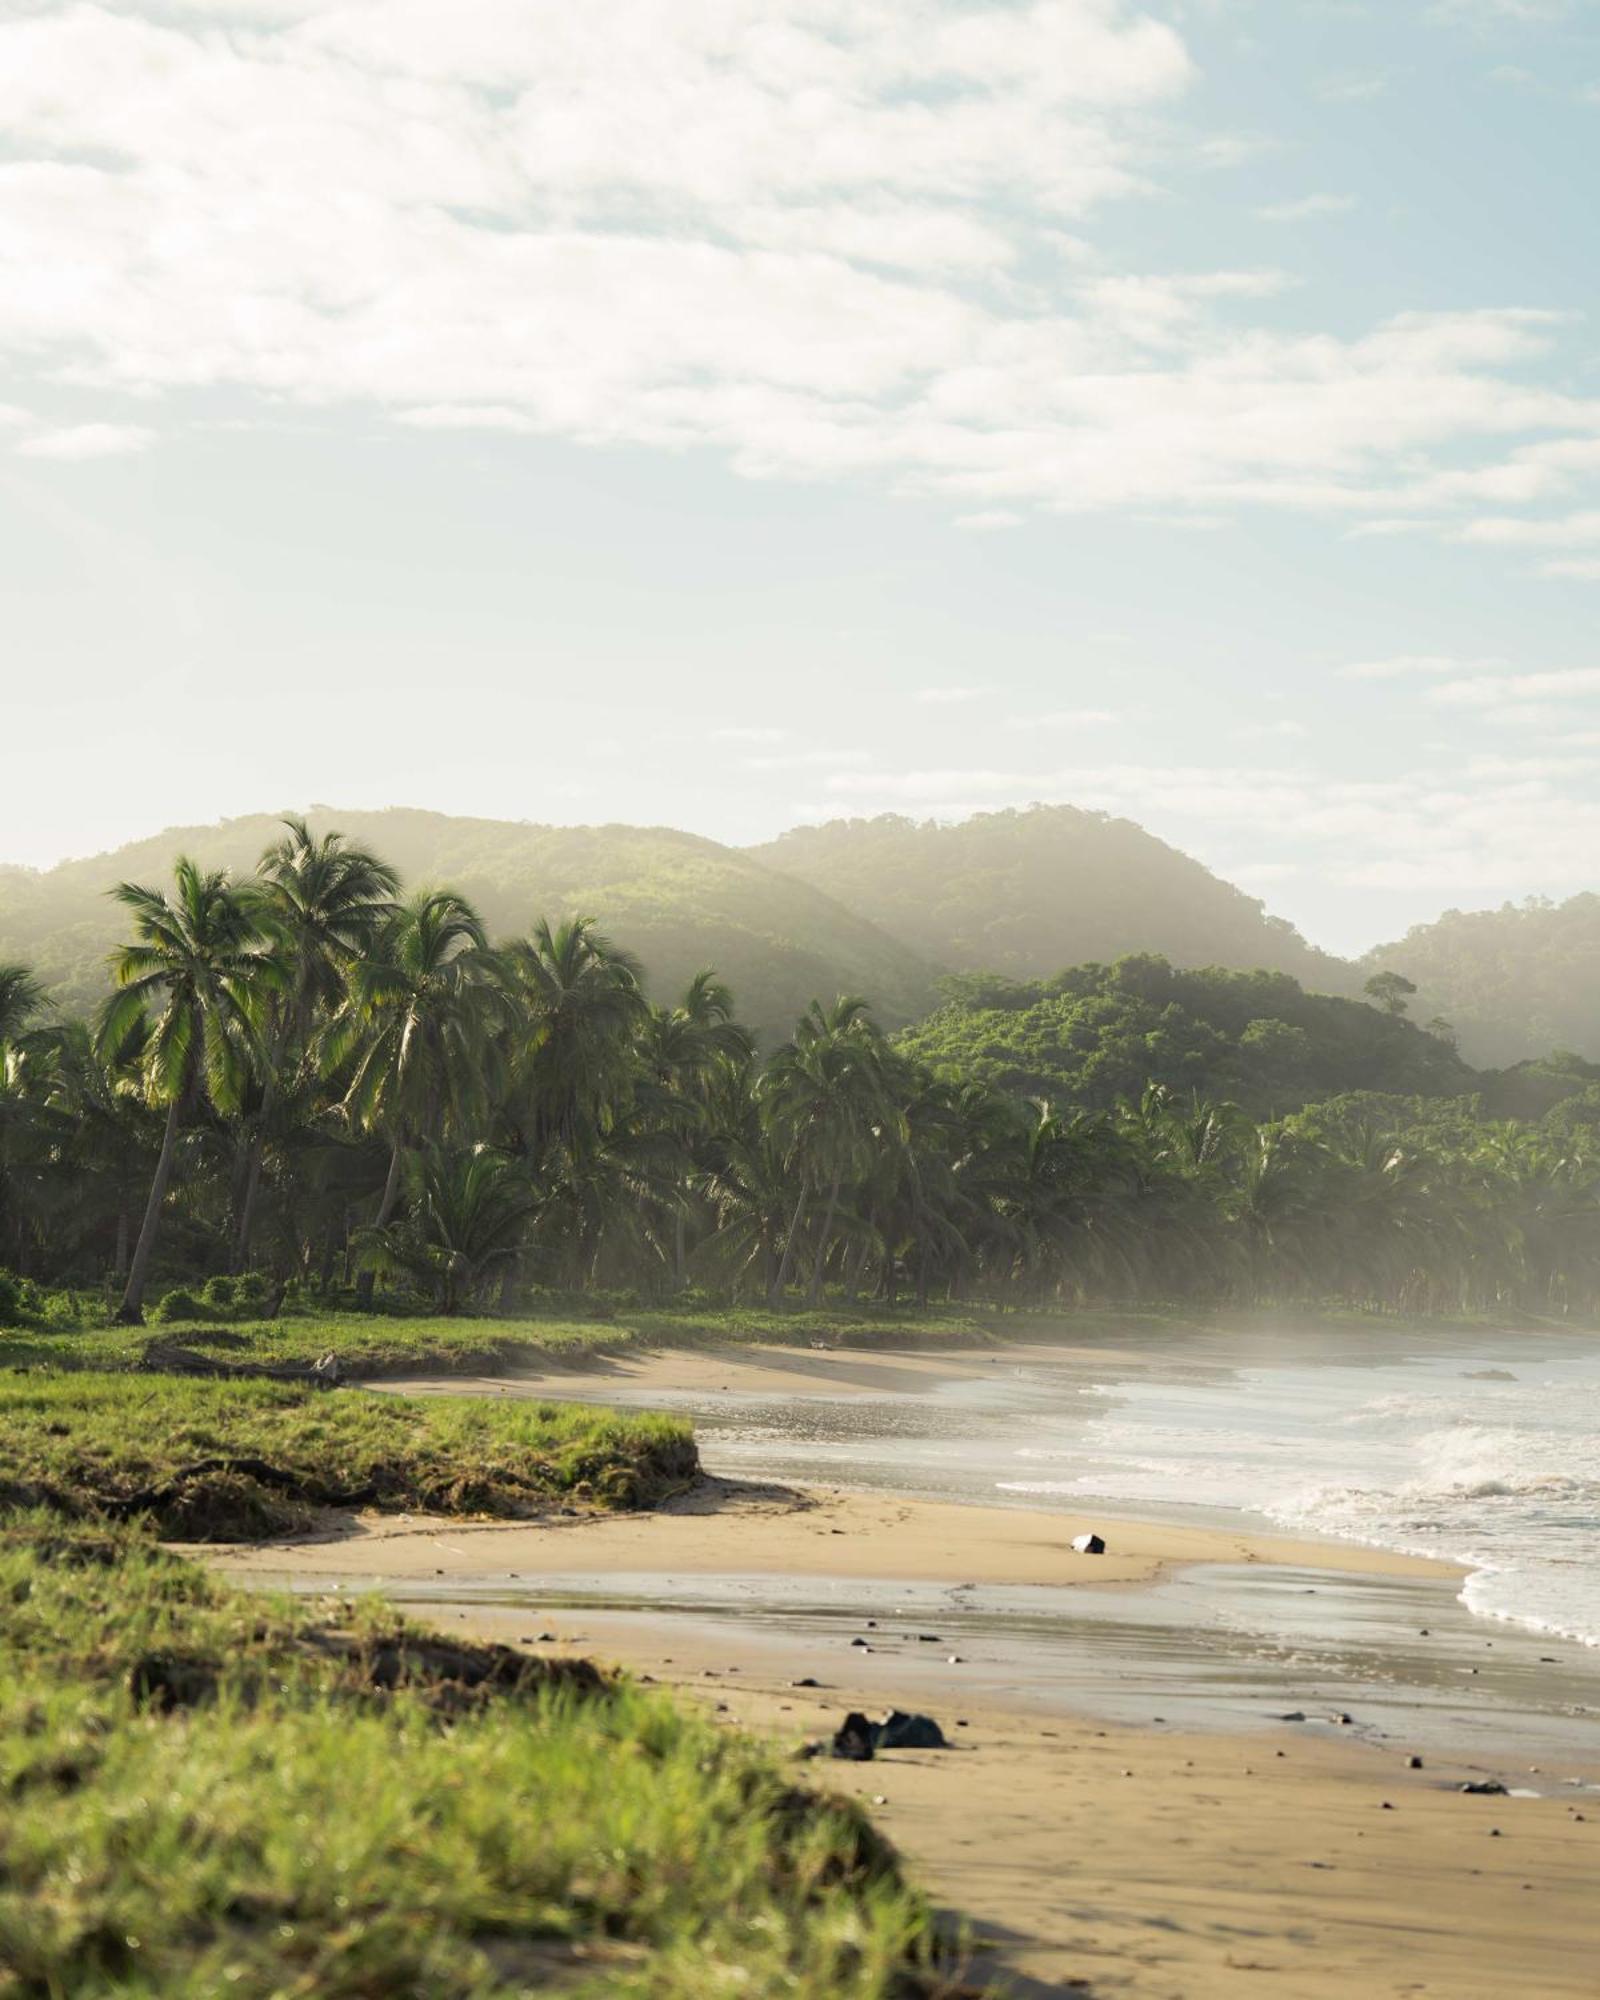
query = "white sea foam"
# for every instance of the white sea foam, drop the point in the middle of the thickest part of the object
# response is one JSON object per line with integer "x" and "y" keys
{"x": 1493, "y": 1461}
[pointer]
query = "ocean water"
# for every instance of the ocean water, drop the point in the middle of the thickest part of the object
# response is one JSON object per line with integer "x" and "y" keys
{"x": 1490, "y": 1457}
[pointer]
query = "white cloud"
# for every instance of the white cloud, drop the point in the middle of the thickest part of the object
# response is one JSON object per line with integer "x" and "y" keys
{"x": 83, "y": 441}
{"x": 946, "y": 697}
{"x": 808, "y": 760}
{"x": 1307, "y": 207}
{"x": 1403, "y": 666}
{"x": 819, "y": 238}
{"x": 1486, "y": 13}
{"x": 1260, "y": 732}
{"x": 1497, "y": 691}
{"x": 1579, "y": 566}
{"x": 989, "y": 520}
{"x": 1568, "y": 531}
{"x": 748, "y": 733}
{"x": 1354, "y": 86}
{"x": 1066, "y": 718}
{"x": 1456, "y": 832}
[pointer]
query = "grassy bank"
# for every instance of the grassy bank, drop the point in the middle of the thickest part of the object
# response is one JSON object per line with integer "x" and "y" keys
{"x": 208, "y": 1792}
{"x": 232, "y": 1461}
{"x": 372, "y": 1345}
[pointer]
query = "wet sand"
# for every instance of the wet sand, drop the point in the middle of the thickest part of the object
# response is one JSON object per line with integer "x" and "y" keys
{"x": 1149, "y": 1859}
{"x": 1123, "y": 1807}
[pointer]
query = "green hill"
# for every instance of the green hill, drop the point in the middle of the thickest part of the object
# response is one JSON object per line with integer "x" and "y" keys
{"x": 679, "y": 901}
{"x": 1026, "y": 893}
{"x": 1512, "y": 982}
{"x": 1099, "y": 1033}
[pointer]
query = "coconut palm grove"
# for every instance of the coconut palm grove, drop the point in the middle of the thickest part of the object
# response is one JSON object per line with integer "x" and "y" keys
{"x": 309, "y": 1084}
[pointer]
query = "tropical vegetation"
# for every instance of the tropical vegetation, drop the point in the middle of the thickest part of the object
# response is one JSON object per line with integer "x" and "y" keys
{"x": 676, "y": 899}
{"x": 307, "y": 1085}
{"x": 1514, "y": 980}
{"x": 235, "y": 1460}
{"x": 209, "y": 1791}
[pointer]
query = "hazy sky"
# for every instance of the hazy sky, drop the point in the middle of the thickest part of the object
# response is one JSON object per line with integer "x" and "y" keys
{"x": 727, "y": 414}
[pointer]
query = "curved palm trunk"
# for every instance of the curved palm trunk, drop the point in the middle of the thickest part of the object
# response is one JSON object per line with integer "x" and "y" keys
{"x": 245, "y": 1210}
{"x": 131, "y": 1310}
{"x": 239, "y": 1259}
{"x": 822, "y": 1245}
{"x": 785, "y": 1263}
{"x": 386, "y": 1208}
{"x": 858, "y": 1269}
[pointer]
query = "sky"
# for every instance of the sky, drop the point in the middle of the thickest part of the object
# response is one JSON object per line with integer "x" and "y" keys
{"x": 748, "y": 412}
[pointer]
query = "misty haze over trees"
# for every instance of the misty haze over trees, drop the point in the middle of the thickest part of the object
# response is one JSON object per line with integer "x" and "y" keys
{"x": 880, "y": 906}
{"x": 313, "y": 1075}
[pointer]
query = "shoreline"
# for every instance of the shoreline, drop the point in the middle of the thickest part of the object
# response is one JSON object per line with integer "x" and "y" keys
{"x": 1145, "y": 1857}
{"x": 954, "y": 1426}
{"x": 1123, "y": 1802}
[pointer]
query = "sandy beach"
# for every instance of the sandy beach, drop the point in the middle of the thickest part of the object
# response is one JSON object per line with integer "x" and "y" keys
{"x": 1093, "y": 1837}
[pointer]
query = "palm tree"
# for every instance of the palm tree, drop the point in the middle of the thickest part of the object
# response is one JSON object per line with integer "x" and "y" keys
{"x": 467, "y": 1213}
{"x": 686, "y": 1052}
{"x": 103, "y": 1132}
{"x": 579, "y": 1004}
{"x": 21, "y": 998}
{"x": 825, "y": 1095}
{"x": 327, "y": 901}
{"x": 416, "y": 1028}
{"x": 201, "y": 962}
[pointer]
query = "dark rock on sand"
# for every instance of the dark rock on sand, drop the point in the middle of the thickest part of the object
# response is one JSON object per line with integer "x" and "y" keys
{"x": 1487, "y": 1788}
{"x": 900, "y": 1731}
{"x": 858, "y": 1740}
{"x": 854, "y": 1739}
{"x": 1088, "y": 1545}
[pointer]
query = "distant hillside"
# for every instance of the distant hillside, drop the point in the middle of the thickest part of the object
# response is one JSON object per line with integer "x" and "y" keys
{"x": 679, "y": 901}
{"x": 1513, "y": 982}
{"x": 1026, "y": 893}
{"x": 1099, "y": 1033}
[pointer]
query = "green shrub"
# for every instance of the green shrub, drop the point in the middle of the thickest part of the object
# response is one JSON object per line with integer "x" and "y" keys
{"x": 10, "y": 1300}
{"x": 250, "y": 1291}
{"x": 220, "y": 1294}
{"x": 178, "y": 1305}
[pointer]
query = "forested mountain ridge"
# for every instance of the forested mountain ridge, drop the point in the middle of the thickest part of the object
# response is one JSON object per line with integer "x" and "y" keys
{"x": 678, "y": 901}
{"x": 1098, "y": 1035}
{"x": 314, "y": 1073}
{"x": 876, "y": 906}
{"x": 1513, "y": 981}
{"x": 1028, "y": 892}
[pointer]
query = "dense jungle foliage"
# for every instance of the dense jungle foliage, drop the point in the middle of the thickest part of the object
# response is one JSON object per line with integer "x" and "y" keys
{"x": 1097, "y": 1034}
{"x": 303, "y": 1076}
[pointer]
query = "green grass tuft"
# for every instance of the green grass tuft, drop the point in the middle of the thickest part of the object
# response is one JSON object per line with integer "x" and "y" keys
{"x": 373, "y": 1345}
{"x": 238, "y": 1461}
{"x": 293, "y": 1830}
